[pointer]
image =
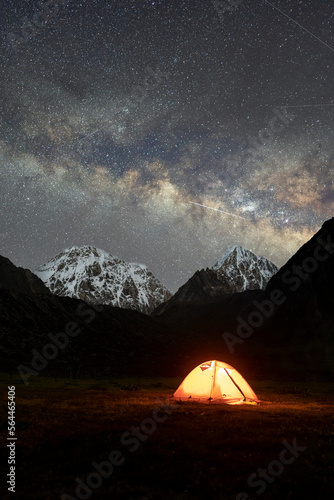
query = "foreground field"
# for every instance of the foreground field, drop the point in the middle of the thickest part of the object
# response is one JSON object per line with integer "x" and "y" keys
{"x": 180, "y": 451}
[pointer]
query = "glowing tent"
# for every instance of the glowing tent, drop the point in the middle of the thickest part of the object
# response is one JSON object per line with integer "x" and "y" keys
{"x": 215, "y": 382}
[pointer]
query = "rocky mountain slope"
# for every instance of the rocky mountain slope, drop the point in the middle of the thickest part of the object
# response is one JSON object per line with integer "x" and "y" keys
{"x": 236, "y": 271}
{"x": 19, "y": 279}
{"x": 92, "y": 275}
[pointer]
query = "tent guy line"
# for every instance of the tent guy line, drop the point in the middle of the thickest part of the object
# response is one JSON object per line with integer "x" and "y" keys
{"x": 218, "y": 210}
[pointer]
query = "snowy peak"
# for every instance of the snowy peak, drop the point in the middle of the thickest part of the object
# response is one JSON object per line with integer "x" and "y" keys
{"x": 97, "y": 277}
{"x": 234, "y": 251}
{"x": 242, "y": 270}
{"x": 236, "y": 271}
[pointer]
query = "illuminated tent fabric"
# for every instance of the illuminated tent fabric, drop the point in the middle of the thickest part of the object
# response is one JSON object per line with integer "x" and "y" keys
{"x": 215, "y": 382}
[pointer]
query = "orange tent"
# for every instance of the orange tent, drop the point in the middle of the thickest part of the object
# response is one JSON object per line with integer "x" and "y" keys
{"x": 215, "y": 382}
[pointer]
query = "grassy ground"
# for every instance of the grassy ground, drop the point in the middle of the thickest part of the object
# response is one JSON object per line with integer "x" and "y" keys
{"x": 192, "y": 451}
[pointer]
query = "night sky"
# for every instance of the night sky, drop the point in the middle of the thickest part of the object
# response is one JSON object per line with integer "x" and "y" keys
{"x": 115, "y": 115}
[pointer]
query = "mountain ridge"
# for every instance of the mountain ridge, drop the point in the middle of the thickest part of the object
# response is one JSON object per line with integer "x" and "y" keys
{"x": 292, "y": 341}
{"x": 238, "y": 270}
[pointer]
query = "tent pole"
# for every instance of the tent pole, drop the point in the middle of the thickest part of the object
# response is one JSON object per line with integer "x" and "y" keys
{"x": 235, "y": 384}
{"x": 213, "y": 379}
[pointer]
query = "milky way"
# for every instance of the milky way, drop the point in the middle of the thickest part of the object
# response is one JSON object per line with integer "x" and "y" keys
{"x": 115, "y": 116}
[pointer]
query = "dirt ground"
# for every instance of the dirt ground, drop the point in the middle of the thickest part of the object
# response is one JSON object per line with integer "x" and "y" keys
{"x": 121, "y": 439}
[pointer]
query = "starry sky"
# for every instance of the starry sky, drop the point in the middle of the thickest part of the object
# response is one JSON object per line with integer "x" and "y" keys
{"x": 117, "y": 116}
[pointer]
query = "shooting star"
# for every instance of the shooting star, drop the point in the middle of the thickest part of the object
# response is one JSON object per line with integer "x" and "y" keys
{"x": 307, "y": 106}
{"x": 300, "y": 26}
{"x": 218, "y": 210}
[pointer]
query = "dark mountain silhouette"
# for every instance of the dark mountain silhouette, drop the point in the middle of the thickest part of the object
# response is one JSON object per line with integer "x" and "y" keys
{"x": 19, "y": 279}
{"x": 200, "y": 288}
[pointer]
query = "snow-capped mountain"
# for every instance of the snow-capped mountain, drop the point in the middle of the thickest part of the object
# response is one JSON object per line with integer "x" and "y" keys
{"x": 236, "y": 271}
{"x": 240, "y": 270}
{"x": 97, "y": 277}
